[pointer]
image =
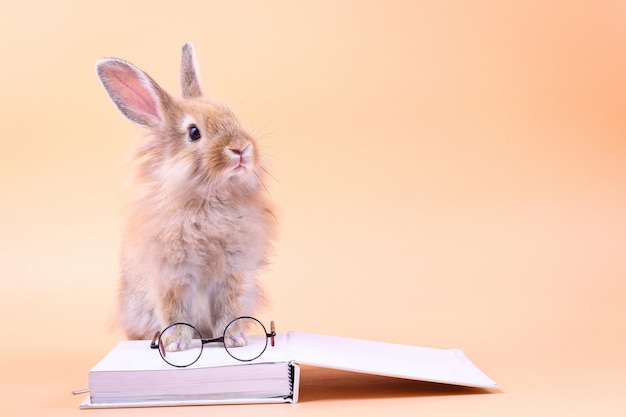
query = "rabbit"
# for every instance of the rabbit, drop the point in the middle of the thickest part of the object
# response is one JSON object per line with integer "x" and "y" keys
{"x": 200, "y": 224}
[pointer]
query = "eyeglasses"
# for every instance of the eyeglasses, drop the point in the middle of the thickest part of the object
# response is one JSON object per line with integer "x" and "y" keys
{"x": 187, "y": 353}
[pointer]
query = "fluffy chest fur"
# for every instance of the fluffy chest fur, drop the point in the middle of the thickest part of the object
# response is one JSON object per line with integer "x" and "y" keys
{"x": 207, "y": 238}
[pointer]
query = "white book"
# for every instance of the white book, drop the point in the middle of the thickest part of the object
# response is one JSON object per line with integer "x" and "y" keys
{"x": 134, "y": 375}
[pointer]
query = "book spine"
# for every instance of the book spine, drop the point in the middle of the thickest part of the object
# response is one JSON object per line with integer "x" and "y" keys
{"x": 291, "y": 379}
{"x": 294, "y": 382}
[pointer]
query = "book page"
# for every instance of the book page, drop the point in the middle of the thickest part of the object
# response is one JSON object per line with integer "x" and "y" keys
{"x": 448, "y": 366}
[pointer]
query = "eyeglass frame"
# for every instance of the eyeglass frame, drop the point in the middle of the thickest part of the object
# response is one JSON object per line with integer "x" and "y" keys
{"x": 155, "y": 344}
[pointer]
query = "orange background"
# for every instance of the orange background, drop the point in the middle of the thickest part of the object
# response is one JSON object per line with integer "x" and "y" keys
{"x": 448, "y": 174}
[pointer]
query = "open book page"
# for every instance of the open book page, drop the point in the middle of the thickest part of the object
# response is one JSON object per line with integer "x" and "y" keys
{"x": 448, "y": 366}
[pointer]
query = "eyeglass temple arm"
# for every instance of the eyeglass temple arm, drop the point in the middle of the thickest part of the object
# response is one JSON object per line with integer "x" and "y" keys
{"x": 272, "y": 333}
{"x": 155, "y": 341}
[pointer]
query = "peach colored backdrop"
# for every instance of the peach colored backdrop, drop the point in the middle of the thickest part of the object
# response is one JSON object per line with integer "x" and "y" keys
{"x": 449, "y": 174}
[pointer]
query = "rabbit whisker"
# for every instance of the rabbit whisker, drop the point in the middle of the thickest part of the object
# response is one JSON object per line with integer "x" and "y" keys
{"x": 270, "y": 174}
{"x": 256, "y": 174}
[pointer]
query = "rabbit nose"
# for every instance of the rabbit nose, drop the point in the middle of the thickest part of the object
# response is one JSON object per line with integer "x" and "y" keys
{"x": 239, "y": 151}
{"x": 239, "y": 156}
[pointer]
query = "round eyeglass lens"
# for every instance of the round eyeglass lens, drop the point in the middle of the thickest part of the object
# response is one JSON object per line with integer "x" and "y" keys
{"x": 245, "y": 339}
{"x": 180, "y": 345}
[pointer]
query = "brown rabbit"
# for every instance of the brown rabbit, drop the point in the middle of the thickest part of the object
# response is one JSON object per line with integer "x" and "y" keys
{"x": 200, "y": 225}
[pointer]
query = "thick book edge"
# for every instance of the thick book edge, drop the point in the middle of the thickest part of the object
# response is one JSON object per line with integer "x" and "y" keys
{"x": 294, "y": 378}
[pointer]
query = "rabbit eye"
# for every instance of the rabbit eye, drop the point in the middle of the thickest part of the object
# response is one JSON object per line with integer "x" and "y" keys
{"x": 194, "y": 133}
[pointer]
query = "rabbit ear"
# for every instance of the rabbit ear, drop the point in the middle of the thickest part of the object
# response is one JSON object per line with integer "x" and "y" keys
{"x": 134, "y": 93}
{"x": 189, "y": 74}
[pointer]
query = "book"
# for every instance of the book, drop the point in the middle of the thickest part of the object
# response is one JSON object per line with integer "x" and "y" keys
{"x": 134, "y": 375}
